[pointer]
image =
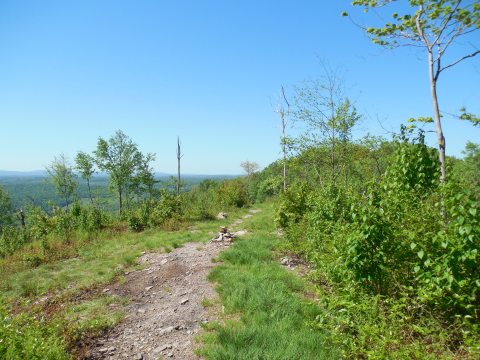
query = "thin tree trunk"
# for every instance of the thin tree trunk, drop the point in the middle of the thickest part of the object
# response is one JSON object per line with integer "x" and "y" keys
{"x": 284, "y": 151}
{"x": 333, "y": 156}
{"x": 284, "y": 138}
{"x": 90, "y": 192}
{"x": 436, "y": 112}
{"x": 120, "y": 199}
{"x": 179, "y": 156}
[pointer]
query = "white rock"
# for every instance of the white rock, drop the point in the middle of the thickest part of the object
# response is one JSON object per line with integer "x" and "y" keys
{"x": 183, "y": 302}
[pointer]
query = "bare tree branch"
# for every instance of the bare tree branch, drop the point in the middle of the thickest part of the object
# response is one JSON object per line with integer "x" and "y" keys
{"x": 459, "y": 60}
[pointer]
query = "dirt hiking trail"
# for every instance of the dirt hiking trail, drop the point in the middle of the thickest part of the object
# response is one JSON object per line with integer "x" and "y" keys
{"x": 165, "y": 311}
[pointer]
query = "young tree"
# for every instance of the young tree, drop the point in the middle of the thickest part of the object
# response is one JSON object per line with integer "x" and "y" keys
{"x": 328, "y": 117}
{"x": 119, "y": 157}
{"x": 63, "y": 178}
{"x": 284, "y": 118}
{"x": 433, "y": 25}
{"x": 85, "y": 164}
{"x": 249, "y": 167}
{"x": 143, "y": 182}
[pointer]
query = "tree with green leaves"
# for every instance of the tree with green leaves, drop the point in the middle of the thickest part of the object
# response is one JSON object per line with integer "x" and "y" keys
{"x": 143, "y": 182}
{"x": 328, "y": 118}
{"x": 468, "y": 169}
{"x": 435, "y": 26}
{"x": 120, "y": 158}
{"x": 85, "y": 165}
{"x": 63, "y": 178}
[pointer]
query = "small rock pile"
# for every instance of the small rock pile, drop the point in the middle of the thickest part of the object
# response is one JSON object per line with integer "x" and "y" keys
{"x": 224, "y": 235}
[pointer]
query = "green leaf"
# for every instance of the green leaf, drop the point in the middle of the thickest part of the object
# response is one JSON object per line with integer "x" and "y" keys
{"x": 420, "y": 254}
{"x": 416, "y": 269}
{"x": 413, "y": 246}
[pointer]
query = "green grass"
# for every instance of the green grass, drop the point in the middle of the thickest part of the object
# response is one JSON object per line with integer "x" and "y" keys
{"x": 45, "y": 330}
{"x": 92, "y": 316}
{"x": 267, "y": 316}
{"x": 98, "y": 262}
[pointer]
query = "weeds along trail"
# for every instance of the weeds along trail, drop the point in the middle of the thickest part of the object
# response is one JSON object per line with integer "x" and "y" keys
{"x": 166, "y": 309}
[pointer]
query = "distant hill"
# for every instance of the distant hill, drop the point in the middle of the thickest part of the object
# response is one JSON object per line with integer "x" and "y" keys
{"x": 36, "y": 173}
{"x": 158, "y": 175}
{"x": 26, "y": 187}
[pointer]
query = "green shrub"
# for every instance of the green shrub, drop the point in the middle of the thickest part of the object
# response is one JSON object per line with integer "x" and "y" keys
{"x": 23, "y": 337}
{"x": 11, "y": 239}
{"x": 168, "y": 207}
{"x": 233, "y": 193}
{"x": 201, "y": 203}
{"x": 39, "y": 223}
{"x": 154, "y": 212}
{"x": 269, "y": 187}
{"x": 293, "y": 205}
{"x": 405, "y": 239}
{"x": 448, "y": 266}
{"x": 134, "y": 223}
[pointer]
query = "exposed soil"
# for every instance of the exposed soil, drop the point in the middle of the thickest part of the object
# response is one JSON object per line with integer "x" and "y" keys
{"x": 165, "y": 311}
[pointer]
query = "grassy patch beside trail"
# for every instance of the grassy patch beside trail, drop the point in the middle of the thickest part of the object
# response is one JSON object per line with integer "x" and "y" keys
{"x": 46, "y": 330}
{"x": 267, "y": 299}
{"x": 97, "y": 262}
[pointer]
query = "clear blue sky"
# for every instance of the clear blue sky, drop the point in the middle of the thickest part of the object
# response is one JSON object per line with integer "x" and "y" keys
{"x": 208, "y": 71}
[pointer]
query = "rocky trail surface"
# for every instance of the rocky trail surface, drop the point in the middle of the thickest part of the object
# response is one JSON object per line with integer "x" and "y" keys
{"x": 165, "y": 311}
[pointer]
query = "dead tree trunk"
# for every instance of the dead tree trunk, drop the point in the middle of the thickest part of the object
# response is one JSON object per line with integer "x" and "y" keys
{"x": 283, "y": 117}
{"x": 179, "y": 157}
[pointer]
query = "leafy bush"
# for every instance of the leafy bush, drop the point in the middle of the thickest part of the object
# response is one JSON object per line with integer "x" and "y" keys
{"x": 134, "y": 223}
{"x": 154, "y": 212}
{"x": 11, "y": 239}
{"x": 23, "y": 337}
{"x": 233, "y": 193}
{"x": 406, "y": 239}
{"x": 268, "y": 187}
{"x": 293, "y": 205}
{"x": 448, "y": 266}
{"x": 201, "y": 203}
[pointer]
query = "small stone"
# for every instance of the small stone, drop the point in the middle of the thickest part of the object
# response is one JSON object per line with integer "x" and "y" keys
{"x": 163, "y": 262}
{"x": 141, "y": 311}
{"x": 168, "y": 330}
{"x": 170, "y": 355}
{"x": 148, "y": 288}
{"x": 138, "y": 357}
{"x": 105, "y": 290}
{"x": 222, "y": 215}
{"x": 284, "y": 261}
{"x": 183, "y": 302}
{"x": 103, "y": 350}
{"x": 112, "y": 349}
